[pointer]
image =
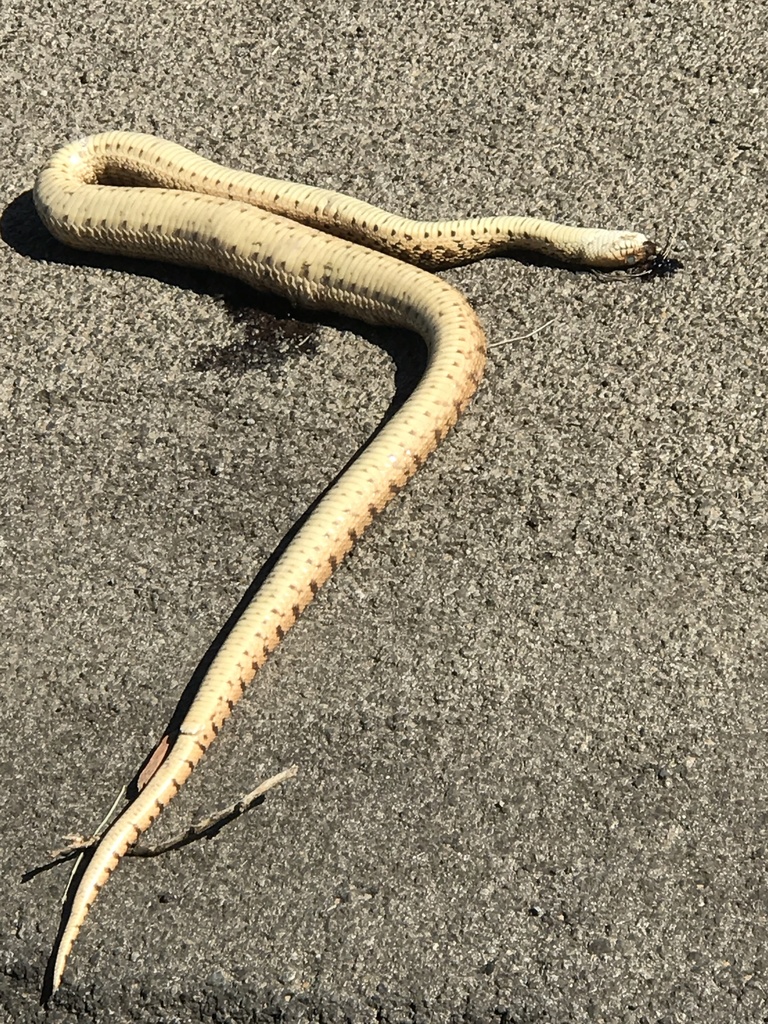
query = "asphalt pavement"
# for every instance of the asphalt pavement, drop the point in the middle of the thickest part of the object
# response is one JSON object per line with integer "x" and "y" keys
{"x": 529, "y": 713}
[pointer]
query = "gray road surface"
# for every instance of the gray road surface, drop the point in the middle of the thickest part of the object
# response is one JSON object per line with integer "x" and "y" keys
{"x": 530, "y": 712}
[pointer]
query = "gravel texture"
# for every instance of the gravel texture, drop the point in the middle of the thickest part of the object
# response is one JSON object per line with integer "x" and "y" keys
{"x": 530, "y": 712}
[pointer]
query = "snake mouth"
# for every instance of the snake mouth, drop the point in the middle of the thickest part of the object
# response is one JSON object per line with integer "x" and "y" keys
{"x": 655, "y": 262}
{"x": 650, "y": 251}
{"x": 658, "y": 261}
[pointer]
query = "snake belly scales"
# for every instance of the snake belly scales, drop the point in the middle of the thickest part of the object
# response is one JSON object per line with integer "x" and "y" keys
{"x": 138, "y": 195}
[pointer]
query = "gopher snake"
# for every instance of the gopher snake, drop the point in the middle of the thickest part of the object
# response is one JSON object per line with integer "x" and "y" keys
{"x": 326, "y": 251}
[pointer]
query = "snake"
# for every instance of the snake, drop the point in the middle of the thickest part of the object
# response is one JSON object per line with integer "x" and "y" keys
{"x": 142, "y": 196}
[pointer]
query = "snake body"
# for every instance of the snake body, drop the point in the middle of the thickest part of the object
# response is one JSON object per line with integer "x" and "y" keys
{"x": 121, "y": 192}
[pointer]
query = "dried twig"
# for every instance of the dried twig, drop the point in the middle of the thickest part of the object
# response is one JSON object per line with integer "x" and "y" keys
{"x": 522, "y": 337}
{"x": 78, "y": 844}
{"x": 208, "y": 825}
{"x": 81, "y": 844}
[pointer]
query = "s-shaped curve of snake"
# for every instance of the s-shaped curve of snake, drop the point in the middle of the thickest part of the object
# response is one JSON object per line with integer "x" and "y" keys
{"x": 121, "y": 192}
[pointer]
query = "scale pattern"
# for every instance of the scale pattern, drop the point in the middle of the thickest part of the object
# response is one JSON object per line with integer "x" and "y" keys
{"x": 138, "y": 195}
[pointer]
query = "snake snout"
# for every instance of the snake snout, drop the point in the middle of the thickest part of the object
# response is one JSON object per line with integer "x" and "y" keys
{"x": 650, "y": 249}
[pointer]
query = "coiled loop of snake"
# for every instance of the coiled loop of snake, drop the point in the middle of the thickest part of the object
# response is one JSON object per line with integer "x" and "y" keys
{"x": 138, "y": 195}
